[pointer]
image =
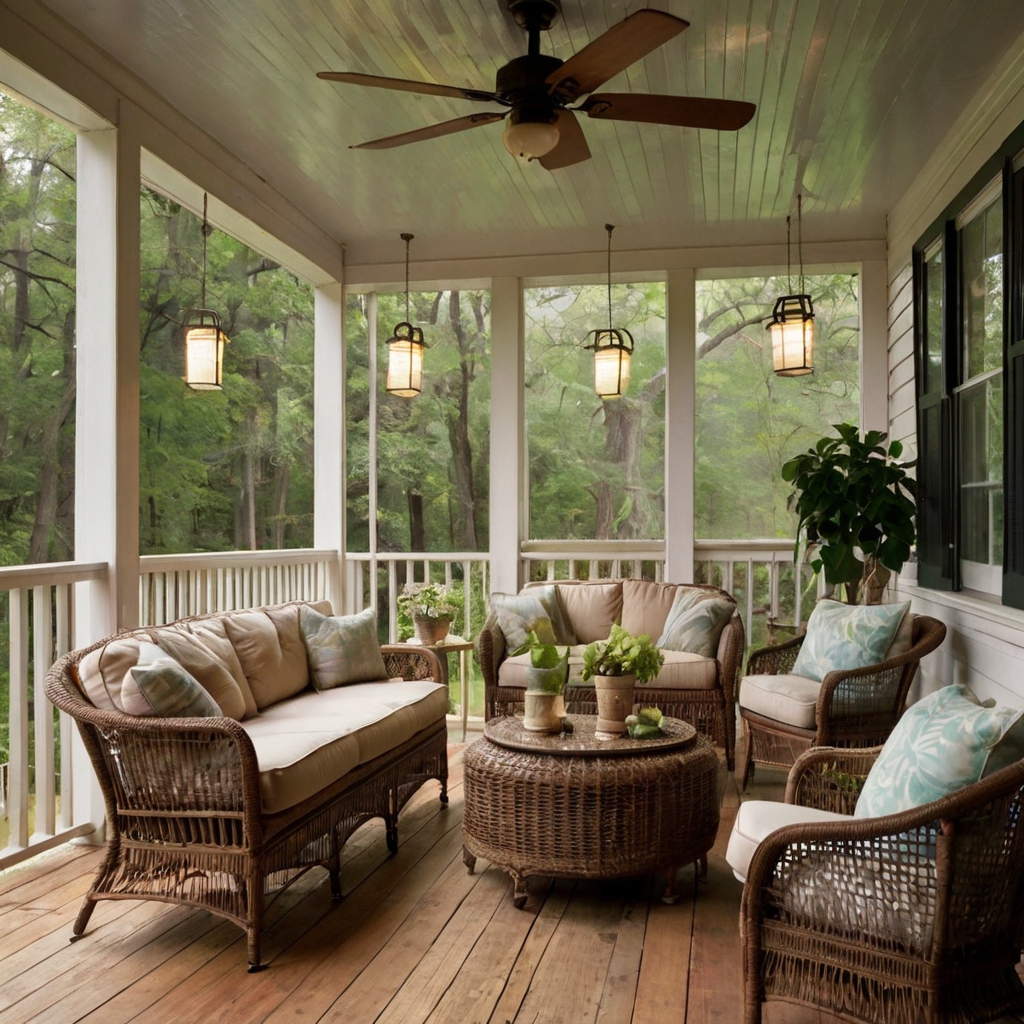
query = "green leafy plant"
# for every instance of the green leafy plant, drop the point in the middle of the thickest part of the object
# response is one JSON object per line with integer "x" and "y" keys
{"x": 550, "y": 664}
{"x": 429, "y": 601}
{"x": 622, "y": 654}
{"x": 856, "y": 503}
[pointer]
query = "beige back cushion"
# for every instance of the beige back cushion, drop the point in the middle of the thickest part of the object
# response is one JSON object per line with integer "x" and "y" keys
{"x": 904, "y": 638}
{"x": 645, "y": 606}
{"x": 102, "y": 674}
{"x": 204, "y": 650}
{"x": 270, "y": 650}
{"x": 591, "y": 608}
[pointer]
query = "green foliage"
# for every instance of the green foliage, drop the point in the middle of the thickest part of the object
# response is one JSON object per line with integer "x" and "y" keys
{"x": 430, "y": 600}
{"x": 622, "y": 654}
{"x": 856, "y": 502}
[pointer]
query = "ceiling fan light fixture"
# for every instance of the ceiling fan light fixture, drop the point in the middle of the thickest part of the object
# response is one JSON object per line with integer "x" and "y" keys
{"x": 405, "y": 348}
{"x": 529, "y": 135}
{"x": 792, "y": 323}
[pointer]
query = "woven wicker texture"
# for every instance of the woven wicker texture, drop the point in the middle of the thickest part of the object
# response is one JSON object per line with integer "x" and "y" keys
{"x": 856, "y": 708}
{"x": 907, "y": 919}
{"x": 184, "y": 822}
{"x": 712, "y": 712}
{"x": 588, "y": 815}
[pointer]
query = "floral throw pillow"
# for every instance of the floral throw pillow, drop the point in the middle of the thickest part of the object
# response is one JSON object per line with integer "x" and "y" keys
{"x": 944, "y": 742}
{"x": 843, "y": 636}
{"x": 168, "y": 688}
{"x": 695, "y": 626}
{"x": 341, "y": 648}
{"x": 537, "y": 609}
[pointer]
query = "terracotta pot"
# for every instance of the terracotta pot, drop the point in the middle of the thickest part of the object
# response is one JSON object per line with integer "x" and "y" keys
{"x": 430, "y": 631}
{"x": 542, "y": 711}
{"x": 614, "y": 703}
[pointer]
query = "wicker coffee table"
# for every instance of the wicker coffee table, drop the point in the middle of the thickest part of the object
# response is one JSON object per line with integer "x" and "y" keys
{"x": 572, "y": 806}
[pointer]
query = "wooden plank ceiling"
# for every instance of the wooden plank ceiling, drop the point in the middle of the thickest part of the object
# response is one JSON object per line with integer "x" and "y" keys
{"x": 852, "y": 96}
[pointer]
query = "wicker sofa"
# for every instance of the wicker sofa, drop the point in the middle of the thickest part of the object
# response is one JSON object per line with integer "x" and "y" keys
{"x": 698, "y": 690}
{"x": 204, "y": 810}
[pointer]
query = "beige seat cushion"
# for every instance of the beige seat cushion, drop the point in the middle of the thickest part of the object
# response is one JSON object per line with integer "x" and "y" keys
{"x": 206, "y": 652}
{"x": 270, "y": 650}
{"x": 784, "y": 698}
{"x": 591, "y": 608}
{"x": 310, "y": 741}
{"x": 757, "y": 819}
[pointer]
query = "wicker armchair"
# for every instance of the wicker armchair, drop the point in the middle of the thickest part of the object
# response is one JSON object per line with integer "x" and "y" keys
{"x": 855, "y": 708}
{"x": 912, "y": 918}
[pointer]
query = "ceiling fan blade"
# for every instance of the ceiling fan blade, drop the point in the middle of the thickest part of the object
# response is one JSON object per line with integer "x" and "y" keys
{"x": 687, "y": 111}
{"x": 405, "y": 85}
{"x": 433, "y": 131}
{"x": 572, "y": 145}
{"x": 624, "y": 43}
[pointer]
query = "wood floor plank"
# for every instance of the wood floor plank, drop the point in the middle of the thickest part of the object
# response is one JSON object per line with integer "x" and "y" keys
{"x": 39, "y": 869}
{"x": 619, "y": 993}
{"x": 585, "y": 937}
{"x": 662, "y": 986}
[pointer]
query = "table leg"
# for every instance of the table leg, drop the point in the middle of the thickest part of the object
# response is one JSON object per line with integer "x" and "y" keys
{"x": 670, "y": 895}
{"x": 519, "y": 893}
{"x": 464, "y": 691}
{"x": 469, "y": 860}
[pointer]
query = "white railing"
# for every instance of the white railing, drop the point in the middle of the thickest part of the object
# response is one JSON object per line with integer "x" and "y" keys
{"x": 174, "y": 586}
{"x": 592, "y": 559}
{"x": 39, "y": 797}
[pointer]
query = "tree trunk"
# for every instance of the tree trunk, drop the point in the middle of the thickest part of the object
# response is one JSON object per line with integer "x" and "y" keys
{"x": 458, "y": 433}
{"x": 249, "y": 499}
{"x": 46, "y": 507}
{"x": 282, "y": 481}
{"x": 417, "y": 528}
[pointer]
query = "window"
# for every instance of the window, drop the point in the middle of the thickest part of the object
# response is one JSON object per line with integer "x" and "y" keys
{"x": 970, "y": 399}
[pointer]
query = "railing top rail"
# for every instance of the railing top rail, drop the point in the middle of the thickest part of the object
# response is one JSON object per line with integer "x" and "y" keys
{"x": 781, "y": 544}
{"x": 14, "y": 577}
{"x": 234, "y": 559}
{"x": 418, "y": 556}
{"x": 591, "y": 548}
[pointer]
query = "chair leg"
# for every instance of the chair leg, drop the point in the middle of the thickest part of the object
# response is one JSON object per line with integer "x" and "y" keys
{"x": 88, "y": 906}
{"x": 748, "y": 757}
{"x": 254, "y": 928}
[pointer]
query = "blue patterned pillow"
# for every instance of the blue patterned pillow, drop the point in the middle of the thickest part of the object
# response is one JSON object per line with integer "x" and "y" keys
{"x": 341, "y": 648}
{"x": 844, "y": 636}
{"x": 537, "y": 609}
{"x": 944, "y": 742}
{"x": 170, "y": 689}
{"x": 696, "y": 626}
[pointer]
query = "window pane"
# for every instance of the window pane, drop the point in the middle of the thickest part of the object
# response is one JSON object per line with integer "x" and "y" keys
{"x": 981, "y": 242}
{"x": 933, "y": 322}
{"x": 37, "y": 337}
{"x": 748, "y": 421}
{"x": 596, "y": 466}
{"x": 981, "y": 472}
{"x": 232, "y": 469}
{"x": 432, "y": 450}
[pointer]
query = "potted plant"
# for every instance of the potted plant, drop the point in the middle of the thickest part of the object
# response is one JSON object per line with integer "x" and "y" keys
{"x": 545, "y": 681}
{"x": 616, "y": 665}
{"x": 856, "y": 503}
{"x": 432, "y": 607}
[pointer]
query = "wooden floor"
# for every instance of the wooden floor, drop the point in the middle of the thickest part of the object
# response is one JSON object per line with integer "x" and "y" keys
{"x": 416, "y": 940}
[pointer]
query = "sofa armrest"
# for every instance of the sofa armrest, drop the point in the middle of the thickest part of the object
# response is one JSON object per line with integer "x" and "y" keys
{"x": 407, "y": 661}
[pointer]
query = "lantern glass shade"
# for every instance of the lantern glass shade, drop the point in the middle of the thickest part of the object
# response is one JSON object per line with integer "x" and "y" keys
{"x": 405, "y": 361}
{"x": 204, "y": 351}
{"x": 792, "y": 333}
{"x": 612, "y": 351}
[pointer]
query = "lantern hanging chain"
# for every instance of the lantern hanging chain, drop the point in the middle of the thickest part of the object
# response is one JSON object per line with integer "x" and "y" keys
{"x": 407, "y": 238}
{"x": 800, "y": 239}
{"x": 206, "y": 234}
{"x": 609, "y": 228}
{"x": 789, "y": 263}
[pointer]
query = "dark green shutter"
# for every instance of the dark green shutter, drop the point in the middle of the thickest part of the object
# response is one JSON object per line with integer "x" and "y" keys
{"x": 1013, "y": 316}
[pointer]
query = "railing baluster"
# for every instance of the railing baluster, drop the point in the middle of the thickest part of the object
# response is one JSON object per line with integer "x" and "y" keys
{"x": 19, "y": 785}
{"x": 42, "y": 658}
{"x": 393, "y": 600}
{"x": 64, "y": 604}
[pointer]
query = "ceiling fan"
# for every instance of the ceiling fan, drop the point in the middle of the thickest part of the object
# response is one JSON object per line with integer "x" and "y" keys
{"x": 538, "y": 90}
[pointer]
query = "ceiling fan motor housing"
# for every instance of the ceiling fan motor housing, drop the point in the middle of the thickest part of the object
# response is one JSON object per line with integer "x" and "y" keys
{"x": 521, "y": 83}
{"x": 535, "y": 15}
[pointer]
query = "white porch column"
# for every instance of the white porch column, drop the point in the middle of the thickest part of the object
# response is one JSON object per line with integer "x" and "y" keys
{"x": 107, "y": 421}
{"x": 509, "y": 471}
{"x": 329, "y": 431}
{"x": 680, "y": 368}
{"x": 874, "y": 346}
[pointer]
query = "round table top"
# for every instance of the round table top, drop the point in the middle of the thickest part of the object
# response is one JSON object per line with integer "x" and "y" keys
{"x": 507, "y": 731}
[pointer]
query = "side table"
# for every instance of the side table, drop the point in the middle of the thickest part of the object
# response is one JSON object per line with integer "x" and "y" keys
{"x": 572, "y": 806}
{"x": 462, "y": 647}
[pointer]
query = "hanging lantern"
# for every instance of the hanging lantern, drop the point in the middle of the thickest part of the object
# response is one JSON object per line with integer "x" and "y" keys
{"x": 612, "y": 346}
{"x": 405, "y": 348}
{"x": 792, "y": 323}
{"x": 204, "y": 339}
